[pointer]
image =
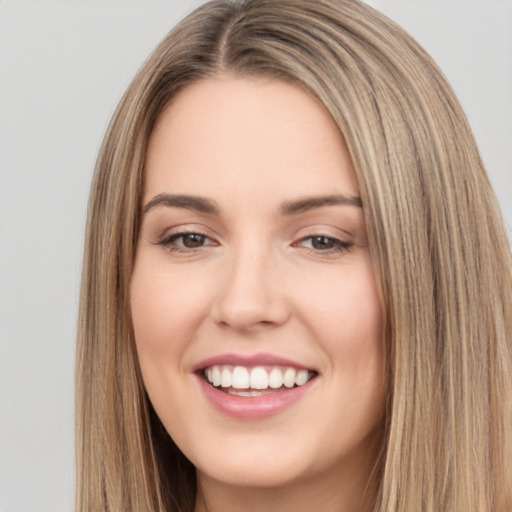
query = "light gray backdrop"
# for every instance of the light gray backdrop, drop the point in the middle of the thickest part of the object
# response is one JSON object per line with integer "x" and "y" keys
{"x": 63, "y": 67}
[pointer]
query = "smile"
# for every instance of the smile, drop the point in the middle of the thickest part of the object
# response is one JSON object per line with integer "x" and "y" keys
{"x": 254, "y": 387}
{"x": 256, "y": 381}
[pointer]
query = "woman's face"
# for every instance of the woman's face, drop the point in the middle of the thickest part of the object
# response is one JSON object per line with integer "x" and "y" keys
{"x": 257, "y": 321}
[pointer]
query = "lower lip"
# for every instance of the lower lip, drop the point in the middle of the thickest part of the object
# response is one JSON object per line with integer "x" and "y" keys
{"x": 253, "y": 408}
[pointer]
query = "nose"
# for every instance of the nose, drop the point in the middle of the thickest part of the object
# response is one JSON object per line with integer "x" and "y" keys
{"x": 250, "y": 295}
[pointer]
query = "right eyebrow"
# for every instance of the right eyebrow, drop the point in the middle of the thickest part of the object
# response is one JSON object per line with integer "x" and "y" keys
{"x": 199, "y": 204}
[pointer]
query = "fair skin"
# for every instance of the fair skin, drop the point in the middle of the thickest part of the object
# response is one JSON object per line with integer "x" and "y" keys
{"x": 253, "y": 254}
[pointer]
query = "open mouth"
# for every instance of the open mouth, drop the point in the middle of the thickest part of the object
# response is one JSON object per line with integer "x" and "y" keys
{"x": 256, "y": 381}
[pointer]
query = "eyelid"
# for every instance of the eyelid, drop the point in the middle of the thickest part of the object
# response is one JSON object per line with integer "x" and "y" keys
{"x": 169, "y": 237}
{"x": 324, "y": 229}
{"x": 182, "y": 234}
{"x": 338, "y": 245}
{"x": 343, "y": 240}
{"x": 185, "y": 228}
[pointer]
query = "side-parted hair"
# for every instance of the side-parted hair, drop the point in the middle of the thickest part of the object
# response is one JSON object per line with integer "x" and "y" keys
{"x": 437, "y": 241}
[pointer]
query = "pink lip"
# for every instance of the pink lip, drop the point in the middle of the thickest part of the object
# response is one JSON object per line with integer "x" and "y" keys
{"x": 248, "y": 360}
{"x": 253, "y": 408}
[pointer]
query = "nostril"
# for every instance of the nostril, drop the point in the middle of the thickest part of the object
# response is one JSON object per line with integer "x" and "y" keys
{"x": 247, "y": 315}
{"x": 248, "y": 296}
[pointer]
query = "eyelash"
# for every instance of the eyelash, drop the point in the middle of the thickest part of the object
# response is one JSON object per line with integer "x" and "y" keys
{"x": 169, "y": 242}
{"x": 336, "y": 245}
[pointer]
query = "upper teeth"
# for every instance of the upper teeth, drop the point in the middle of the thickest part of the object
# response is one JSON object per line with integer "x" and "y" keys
{"x": 259, "y": 377}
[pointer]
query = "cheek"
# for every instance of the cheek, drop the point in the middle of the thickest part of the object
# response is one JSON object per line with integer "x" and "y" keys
{"x": 166, "y": 309}
{"x": 347, "y": 321}
{"x": 346, "y": 307}
{"x": 166, "y": 312}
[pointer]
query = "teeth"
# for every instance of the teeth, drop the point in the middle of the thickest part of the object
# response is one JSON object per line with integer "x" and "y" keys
{"x": 275, "y": 378}
{"x": 301, "y": 378}
{"x": 244, "y": 393}
{"x": 237, "y": 392}
{"x": 225, "y": 379}
{"x": 216, "y": 377}
{"x": 259, "y": 378}
{"x": 289, "y": 378}
{"x": 240, "y": 378}
{"x": 256, "y": 379}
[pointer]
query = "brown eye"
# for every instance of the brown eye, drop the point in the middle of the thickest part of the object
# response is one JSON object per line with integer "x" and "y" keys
{"x": 183, "y": 242}
{"x": 322, "y": 243}
{"x": 193, "y": 240}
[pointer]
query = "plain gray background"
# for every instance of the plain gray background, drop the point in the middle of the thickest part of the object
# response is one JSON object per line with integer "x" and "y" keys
{"x": 63, "y": 67}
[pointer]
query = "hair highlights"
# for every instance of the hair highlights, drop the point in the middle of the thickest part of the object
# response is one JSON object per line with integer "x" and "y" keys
{"x": 436, "y": 237}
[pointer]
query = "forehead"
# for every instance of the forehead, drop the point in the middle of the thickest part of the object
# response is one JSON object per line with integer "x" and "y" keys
{"x": 246, "y": 135}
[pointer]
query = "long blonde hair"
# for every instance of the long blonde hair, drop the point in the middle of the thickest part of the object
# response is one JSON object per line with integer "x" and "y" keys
{"x": 440, "y": 253}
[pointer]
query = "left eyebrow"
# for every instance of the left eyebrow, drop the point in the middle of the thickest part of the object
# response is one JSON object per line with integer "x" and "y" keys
{"x": 309, "y": 203}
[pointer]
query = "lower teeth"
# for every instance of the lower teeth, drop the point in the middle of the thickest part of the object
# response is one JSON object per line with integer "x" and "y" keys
{"x": 250, "y": 392}
{"x": 237, "y": 392}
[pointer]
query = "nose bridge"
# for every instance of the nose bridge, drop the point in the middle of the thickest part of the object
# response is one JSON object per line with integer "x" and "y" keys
{"x": 249, "y": 293}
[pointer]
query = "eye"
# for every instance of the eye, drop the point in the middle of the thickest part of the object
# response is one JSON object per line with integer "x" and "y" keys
{"x": 323, "y": 243}
{"x": 185, "y": 241}
{"x": 192, "y": 240}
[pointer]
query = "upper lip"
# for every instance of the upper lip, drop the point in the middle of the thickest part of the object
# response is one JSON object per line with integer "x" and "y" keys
{"x": 260, "y": 359}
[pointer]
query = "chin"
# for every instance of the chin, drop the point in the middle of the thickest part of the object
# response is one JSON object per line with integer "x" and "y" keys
{"x": 253, "y": 473}
{"x": 285, "y": 460}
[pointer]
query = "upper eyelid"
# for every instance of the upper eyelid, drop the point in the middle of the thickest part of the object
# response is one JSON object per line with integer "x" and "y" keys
{"x": 323, "y": 235}
{"x": 183, "y": 233}
{"x": 187, "y": 228}
{"x": 330, "y": 230}
{"x": 309, "y": 231}
{"x": 339, "y": 241}
{"x": 170, "y": 242}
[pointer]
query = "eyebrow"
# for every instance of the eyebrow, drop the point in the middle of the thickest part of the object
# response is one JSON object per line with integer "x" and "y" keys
{"x": 310, "y": 203}
{"x": 287, "y": 208}
{"x": 199, "y": 204}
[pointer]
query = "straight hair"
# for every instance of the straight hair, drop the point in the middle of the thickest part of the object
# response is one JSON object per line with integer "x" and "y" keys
{"x": 436, "y": 237}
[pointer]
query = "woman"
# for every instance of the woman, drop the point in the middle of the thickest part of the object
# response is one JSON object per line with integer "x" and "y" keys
{"x": 297, "y": 285}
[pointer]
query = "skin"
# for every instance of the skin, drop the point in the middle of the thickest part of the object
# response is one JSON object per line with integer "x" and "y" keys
{"x": 257, "y": 281}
